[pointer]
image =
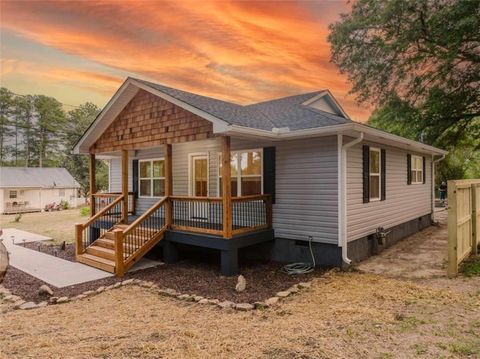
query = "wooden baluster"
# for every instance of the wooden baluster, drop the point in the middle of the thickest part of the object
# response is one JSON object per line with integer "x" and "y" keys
{"x": 118, "y": 245}
{"x": 78, "y": 239}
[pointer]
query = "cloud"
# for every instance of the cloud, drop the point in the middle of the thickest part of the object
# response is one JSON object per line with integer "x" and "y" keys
{"x": 238, "y": 51}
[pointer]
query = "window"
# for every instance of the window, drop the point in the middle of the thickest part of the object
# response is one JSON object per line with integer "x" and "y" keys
{"x": 374, "y": 182}
{"x": 61, "y": 192}
{"x": 417, "y": 169}
{"x": 13, "y": 194}
{"x": 246, "y": 172}
{"x": 151, "y": 178}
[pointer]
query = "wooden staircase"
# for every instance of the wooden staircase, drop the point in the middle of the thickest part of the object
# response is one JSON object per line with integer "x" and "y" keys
{"x": 121, "y": 246}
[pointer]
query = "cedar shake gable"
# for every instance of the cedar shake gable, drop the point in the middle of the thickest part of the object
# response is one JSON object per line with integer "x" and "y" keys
{"x": 147, "y": 121}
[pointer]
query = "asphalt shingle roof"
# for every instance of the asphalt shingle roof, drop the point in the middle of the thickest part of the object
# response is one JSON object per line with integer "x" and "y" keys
{"x": 36, "y": 177}
{"x": 284, "y": 112}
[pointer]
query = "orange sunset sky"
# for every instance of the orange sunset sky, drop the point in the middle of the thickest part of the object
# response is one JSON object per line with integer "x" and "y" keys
{"x": 237, "y": 51}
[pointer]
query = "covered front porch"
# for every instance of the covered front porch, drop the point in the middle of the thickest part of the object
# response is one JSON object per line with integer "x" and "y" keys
{"x": 133, "y": 223}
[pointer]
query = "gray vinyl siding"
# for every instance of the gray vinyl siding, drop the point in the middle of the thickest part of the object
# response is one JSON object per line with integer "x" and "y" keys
{"x": 306, "y": 185}
{"x": 307, "y": 190}
{"x": 403, "y": 202}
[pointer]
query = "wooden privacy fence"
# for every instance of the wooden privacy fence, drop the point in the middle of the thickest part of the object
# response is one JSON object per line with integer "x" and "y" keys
{"x": 463, "y": 221}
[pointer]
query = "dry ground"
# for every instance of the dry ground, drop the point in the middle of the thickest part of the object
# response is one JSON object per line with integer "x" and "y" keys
{"x": 347, "y": 315}
{"x": 382, "y": 314}
{"x": 59, "y": 225}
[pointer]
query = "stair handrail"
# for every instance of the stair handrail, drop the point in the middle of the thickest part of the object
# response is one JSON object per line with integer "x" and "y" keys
{"x": 102, "y": 212}
{"x": 144, "y": 216}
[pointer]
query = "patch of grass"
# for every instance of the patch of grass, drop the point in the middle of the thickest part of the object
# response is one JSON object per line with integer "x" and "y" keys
{"x": 471, "y": 268}
{"x": 465, "y": 348}
{"x": 420, "y": 349}
{"x": 409, "y": 323}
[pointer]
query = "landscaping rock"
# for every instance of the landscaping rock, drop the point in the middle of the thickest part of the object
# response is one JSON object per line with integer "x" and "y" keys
{"x": 244, "y": 307}
{"x": 88, "y": 293}
{"x": 42, "y": 304}
{"x": 45, "y": 290}
{"x": 293, "y": 289}
{"x": 27, "y": 305}
{"x": 53, "y": 300}
{"x": 197, "y": 298}
{"x": 283, "y": 294}
{"x": 12, "y": 298}
{"x": 127, "y": 282}
{"x": 203, "y": 301}
{"x": 241, "y": 284}
{"x": 147, "y": 284}
{"x": 100, "y": 289}
{"x": 304, "y": 285}
{"x": 271, "y": 301}
{"x": 116, "y": 285}
{"x": 18, "y": 303}
{"x": 186, "y": 297}
{"x": 168, "y": 292}
{"x": 62, "y": 300}
{"x": 80, "y": 296}
{"x": 213, "y": 301}
{"x": 226, "y": 304}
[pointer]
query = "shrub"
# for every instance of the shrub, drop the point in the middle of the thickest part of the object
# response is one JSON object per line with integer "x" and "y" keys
{"x": 85, "y": 211}
{"x": 64, "y": 204}
{"x": 18, "y": 217}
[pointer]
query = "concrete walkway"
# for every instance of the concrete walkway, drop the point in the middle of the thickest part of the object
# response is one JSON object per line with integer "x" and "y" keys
{"x": 52, "y": 270}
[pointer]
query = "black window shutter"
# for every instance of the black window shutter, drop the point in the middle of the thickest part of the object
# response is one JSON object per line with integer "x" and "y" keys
{"x": 269, "y": 172}
{"x": 409, "y": 168}
{"x": 366, "y": 174}
{"x": 383, "y": 174}
{"x": 135, "y": 177}
{"x": 424, "y": 174}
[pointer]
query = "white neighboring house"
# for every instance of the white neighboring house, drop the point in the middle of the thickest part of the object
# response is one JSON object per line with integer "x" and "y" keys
{"x": 30, "y": 189}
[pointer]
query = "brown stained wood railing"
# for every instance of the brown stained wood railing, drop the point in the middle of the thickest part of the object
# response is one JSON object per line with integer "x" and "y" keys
{"x": 140, "y": 236}
{"x": 101, "y": 222}
{"x": 102, "y": 199}
{"x": 197, "y": 214}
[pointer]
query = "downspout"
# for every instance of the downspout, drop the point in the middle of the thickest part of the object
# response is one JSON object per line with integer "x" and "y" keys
{"x": 433, "y": 184}
{"x": 342, "y": 171}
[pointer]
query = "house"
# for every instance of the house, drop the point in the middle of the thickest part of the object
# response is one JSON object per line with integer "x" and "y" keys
{"x": 269, "y": 179}
{"x": 30, "y": 189}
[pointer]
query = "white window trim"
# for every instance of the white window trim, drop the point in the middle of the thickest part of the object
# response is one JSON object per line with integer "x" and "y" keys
{"x": 412, "y": 169}
{"x": 239, "y": 175}
{"x": 190, "y": 171}
{"x": 10, "y": 194}
{"x": 379, "y": 174}
{"x": 150, "y": 178}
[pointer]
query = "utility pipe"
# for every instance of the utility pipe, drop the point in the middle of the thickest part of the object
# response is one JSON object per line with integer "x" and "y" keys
{"x": 343, "y": 192}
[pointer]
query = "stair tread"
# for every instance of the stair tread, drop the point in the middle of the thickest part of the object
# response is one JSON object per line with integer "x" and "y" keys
{"x": 98, "y": 259}
{"x": 102, "y": 249}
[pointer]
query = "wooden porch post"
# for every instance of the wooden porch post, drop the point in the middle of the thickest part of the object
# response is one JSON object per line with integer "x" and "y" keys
{"x": 125, "y": 186}
{"x": 168, "y": 184}
{"x": 92, "y": 184}
{"x": 226, "y": 188}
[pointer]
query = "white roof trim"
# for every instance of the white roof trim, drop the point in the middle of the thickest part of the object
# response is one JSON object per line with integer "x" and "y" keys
{"x": 331, "y": 97}
{"x": 110, "y": 112}
{"x": 351, "y": 129}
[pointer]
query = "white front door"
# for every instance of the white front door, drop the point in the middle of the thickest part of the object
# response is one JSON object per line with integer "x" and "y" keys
{"x": 199, "y": 186}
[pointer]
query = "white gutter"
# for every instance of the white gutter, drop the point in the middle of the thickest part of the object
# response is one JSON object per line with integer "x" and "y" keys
{"x": 433, "y": 183}
{"x": 342, "y": 208}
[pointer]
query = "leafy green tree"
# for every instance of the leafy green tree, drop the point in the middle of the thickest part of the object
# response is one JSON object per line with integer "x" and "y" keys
{"x": 49, "y": 129}
{"x": 78, "y": 121}
{"x": 420, "y": 55}
{"x": 6, "y": 107}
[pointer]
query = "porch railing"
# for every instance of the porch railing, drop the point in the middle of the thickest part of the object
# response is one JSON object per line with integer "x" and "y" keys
{"x": 251, "y": 213}
{"x": 103, "y": 199}
{"x": 197, "y": 214}
{"x": 103, "y": 221}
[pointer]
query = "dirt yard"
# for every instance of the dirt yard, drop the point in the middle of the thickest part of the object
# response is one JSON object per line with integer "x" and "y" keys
{"x": 376, "y": 313}
{"x": 59, "y": 225}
